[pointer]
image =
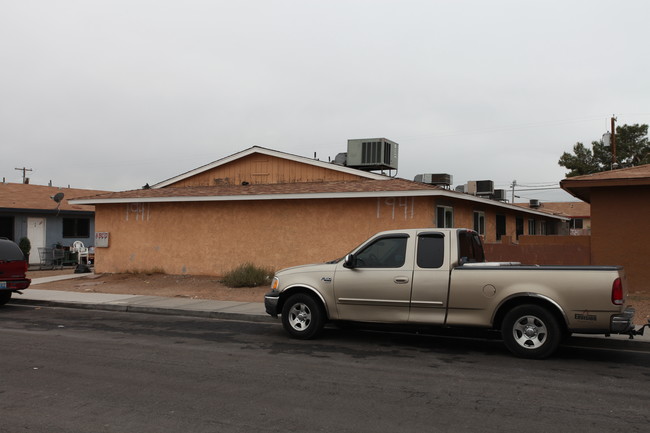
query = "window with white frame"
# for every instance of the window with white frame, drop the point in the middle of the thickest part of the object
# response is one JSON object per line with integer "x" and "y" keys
{"x": 444, "y": 217}
{"x": 479, "y": 222}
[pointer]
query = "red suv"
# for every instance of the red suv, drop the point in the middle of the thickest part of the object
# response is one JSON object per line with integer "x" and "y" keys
{"x": 13, "y": 267}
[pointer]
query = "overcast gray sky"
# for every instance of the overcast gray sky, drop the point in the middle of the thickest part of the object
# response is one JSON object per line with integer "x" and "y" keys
{"x": 113, "y": 94}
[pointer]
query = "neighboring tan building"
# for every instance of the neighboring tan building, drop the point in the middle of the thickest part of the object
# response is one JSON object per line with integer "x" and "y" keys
{"x": 578, "y": 211}
{"x": 620, "y": 227}
{"x": 30, "y": 211}
{"x": 276, "y": 209}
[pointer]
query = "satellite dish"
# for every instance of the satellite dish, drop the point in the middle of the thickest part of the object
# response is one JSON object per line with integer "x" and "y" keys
{"x": 57, "y": 197}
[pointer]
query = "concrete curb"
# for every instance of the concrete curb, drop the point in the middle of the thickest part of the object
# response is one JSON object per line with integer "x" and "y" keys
{"x": 147, "y": 309}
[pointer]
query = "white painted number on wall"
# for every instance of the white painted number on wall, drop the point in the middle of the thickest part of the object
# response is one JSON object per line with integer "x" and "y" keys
{"x": 400, "y": 207}
{"x": 137, "y": 211}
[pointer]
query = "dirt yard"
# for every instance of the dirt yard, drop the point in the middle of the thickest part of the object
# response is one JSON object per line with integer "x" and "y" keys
{"x": 203, "y": 287}
{"x": 183, "y": 286}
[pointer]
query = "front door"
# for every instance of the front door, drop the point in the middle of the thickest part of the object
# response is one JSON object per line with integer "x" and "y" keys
{"x": 378, "y": 288}
{"x": 36, "y": 236}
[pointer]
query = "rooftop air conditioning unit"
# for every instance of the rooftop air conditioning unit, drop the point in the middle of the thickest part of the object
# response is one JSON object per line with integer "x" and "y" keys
{"x": 484, "y": 187}
{"x": 534, "y": 203}
{"x": 500, "y": 194}
{"x": 461, "y": 188}
{"x": 372, "y": 154}
{"x": 435, "y": 178}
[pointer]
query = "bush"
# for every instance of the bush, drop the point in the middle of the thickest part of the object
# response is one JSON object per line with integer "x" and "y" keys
{"x": 25, "y": 246}
{"x": 248, "y": 275}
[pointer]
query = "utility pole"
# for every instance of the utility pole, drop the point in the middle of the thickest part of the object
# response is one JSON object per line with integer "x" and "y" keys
{"x": 513, "y": 185}
{"x": 24, "y": 170}
{"x": 614, "y": 163}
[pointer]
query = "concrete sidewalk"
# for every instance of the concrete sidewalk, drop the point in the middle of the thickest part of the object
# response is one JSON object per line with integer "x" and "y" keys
{"x": 137, "y": 303}
{"x": 250, "y": 311}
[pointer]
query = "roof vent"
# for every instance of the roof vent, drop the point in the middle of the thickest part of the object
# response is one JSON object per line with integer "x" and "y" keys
{"x": 341, "y": 158}
{"x": 435, "y": 179}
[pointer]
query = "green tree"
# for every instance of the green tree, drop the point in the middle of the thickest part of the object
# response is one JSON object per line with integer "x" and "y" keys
{"x": 632, "y": 149}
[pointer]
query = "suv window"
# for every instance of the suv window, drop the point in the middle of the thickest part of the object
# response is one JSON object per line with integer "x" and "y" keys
{"x": 9, "y": 251}
{"x": 388, "y": 252}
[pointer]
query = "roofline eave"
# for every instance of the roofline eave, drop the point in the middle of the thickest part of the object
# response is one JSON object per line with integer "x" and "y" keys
{"x": 318, "y": 196}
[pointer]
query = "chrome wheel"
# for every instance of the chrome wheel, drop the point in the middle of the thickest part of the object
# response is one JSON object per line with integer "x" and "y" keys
{"x": 299, "y": 317}
{"x": 303, "y": 316}
{"x": 529, "y": 332}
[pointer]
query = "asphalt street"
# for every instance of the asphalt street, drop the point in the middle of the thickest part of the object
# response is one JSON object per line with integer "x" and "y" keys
{"x": 75, "y": 370}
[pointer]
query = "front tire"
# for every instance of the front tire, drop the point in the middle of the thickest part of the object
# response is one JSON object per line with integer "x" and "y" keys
{"x": 4, "y": 297}
{"x": 303, "y": 316}
{"x": 531, "y": 331}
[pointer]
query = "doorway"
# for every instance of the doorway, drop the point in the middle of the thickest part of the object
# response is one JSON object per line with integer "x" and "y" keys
{"x": 36, "y": 236}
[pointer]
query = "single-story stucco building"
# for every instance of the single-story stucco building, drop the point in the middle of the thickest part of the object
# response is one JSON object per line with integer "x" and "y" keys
{"x": 276, "y": 209}
{"x": 30, "y": 211}
{"x": 620, "y": 227}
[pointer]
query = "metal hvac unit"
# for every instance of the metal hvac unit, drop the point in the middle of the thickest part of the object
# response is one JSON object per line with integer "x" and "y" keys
{"x": 372, "y": 154}
{"x": 499, "y": 194}
{"x": 435, "y": 178}
{"x": 480, "y": 187}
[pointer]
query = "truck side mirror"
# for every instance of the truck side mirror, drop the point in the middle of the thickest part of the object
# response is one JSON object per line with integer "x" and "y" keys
{"x": 350, "y": 261}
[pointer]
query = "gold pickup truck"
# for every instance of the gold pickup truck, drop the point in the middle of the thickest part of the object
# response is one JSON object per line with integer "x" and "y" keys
{"x": 439, "y": 277}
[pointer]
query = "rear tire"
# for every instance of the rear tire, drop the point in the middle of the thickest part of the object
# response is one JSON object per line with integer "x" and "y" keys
{"x": 4, "y": 297}
{"x": 303, "y": 317}
{"x": 531, "y": 331}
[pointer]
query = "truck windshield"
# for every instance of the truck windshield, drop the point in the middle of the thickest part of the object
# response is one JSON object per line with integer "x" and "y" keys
{"x": 470, "y": 247}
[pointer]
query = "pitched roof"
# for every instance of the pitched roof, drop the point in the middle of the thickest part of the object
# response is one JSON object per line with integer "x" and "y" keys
{"x": 269, "y": 152}
{"x": 580, "y": 186}
{"x": 573, "y": 209}
{"x": 21, "y": 196}
{"x": 294, "y": 191}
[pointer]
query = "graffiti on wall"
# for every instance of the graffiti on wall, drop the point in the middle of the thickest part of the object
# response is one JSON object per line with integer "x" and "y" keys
{"x": 138, "y": 211}
{"x": 396, "y": 207}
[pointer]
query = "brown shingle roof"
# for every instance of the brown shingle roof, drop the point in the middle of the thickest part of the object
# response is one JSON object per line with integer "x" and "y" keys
{"x": 39, "y": 197}
{"x": 298, "y": 190}
{"x": 580, "y": 186}
{"x": 397, "y": 185}
{"x": 574, "y": 209}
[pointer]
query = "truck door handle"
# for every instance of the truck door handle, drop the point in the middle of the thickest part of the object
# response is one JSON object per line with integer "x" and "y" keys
{"x": 401, "y": 280}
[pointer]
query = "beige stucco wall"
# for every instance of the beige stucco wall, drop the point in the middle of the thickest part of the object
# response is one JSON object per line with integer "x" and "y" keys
{"x": 210, "y": 238}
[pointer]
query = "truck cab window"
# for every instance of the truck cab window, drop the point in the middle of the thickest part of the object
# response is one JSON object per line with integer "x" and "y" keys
{"x": 470, "y": 248}
{"x": 431, "y": 251}
{"x": 383, "y": 253}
